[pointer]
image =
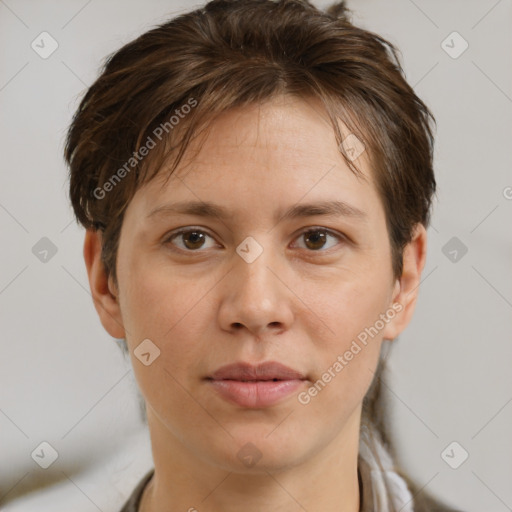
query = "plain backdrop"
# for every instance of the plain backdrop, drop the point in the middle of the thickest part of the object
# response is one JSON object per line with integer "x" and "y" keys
{"x": 66, "y": 383}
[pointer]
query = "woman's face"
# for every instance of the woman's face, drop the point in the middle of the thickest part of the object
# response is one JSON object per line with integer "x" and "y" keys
{"x": 254, "y": 286}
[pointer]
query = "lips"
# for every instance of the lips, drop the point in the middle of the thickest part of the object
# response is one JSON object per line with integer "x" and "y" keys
{"x": 247, "y": 372}
{"x": 256, "y": 386}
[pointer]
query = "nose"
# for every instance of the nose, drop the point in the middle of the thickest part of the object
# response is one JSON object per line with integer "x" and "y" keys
{"x": 255, "y": 296}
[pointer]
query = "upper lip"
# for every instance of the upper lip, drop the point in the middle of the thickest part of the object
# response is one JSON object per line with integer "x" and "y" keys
{"x": 265, "y": 371}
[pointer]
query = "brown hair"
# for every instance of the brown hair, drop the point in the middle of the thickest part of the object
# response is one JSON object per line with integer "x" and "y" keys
{"x": 233, "y": 53}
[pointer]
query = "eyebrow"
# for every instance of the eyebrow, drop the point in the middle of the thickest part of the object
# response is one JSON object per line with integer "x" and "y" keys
{"x": 208, "y": 209}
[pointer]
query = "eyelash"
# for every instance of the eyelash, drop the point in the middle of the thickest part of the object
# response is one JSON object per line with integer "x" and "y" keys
{"x": 342, "y": 238}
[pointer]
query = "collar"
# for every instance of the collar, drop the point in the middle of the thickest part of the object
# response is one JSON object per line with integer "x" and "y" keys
{"x": 383, "y": 488}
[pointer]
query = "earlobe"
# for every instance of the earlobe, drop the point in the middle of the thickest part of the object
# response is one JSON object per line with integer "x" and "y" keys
{"x": 103, "y": 291}
{"x": 406, "y": 288}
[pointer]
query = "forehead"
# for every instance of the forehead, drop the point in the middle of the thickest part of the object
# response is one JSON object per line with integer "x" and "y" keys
{"x": 283, "y": 149}
{"x": 285, "y": 128}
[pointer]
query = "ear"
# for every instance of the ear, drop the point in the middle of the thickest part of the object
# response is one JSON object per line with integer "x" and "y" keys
{"x": 104, "y": 293}
{"x": 406, "y": 288}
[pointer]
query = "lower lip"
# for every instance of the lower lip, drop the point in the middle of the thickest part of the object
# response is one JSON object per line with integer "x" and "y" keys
{"x": 256, "y": 394}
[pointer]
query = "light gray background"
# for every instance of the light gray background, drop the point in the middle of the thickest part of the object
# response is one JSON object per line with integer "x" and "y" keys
{"x": 66, "y": 382}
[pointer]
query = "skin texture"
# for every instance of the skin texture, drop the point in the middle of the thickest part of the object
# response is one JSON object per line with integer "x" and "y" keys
{"x": 302, "y": 302}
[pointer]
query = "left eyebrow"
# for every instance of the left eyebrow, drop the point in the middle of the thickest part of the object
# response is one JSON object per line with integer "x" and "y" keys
{"x": 208, "y": 209}
{"x": 326, "y": 208}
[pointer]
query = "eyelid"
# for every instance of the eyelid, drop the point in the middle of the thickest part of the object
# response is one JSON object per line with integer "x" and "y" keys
{"x": 173, "y": 234}
{"x": 342, "y": 238}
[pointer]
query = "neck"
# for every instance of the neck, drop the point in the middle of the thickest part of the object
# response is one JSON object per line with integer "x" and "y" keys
{"x": 183, "y": 481}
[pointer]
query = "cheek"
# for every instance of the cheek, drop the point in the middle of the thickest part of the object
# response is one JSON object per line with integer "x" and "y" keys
{"x": 158, "y": 302}
{"x": 175, "y": 323}
{"x": 351, "y": 307}
{"x": 171, "y": 312}
{"x": 348, "y": 345}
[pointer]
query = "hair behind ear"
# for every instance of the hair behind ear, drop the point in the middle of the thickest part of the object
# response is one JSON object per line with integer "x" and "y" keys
{"x": 374, "y": 413}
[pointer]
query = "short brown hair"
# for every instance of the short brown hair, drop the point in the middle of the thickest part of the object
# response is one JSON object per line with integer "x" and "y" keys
{"x": 232, "y": 53}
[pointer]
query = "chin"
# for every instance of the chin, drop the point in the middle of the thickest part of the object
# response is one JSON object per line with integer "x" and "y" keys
{"x": 258, "y": 450}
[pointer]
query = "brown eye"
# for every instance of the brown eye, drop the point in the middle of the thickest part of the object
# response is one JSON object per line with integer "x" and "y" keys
{"x": 316, "y": 239}
{"x": 191, "y": 239}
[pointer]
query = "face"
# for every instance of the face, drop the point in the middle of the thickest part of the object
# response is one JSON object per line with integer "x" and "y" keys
{"x": 314, "y": 292}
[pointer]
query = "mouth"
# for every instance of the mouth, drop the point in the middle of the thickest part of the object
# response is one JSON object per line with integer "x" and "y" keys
{"x": 270, "y": 370}
{"x": 256, "y": 386}
{"x": 255, "y": 380}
